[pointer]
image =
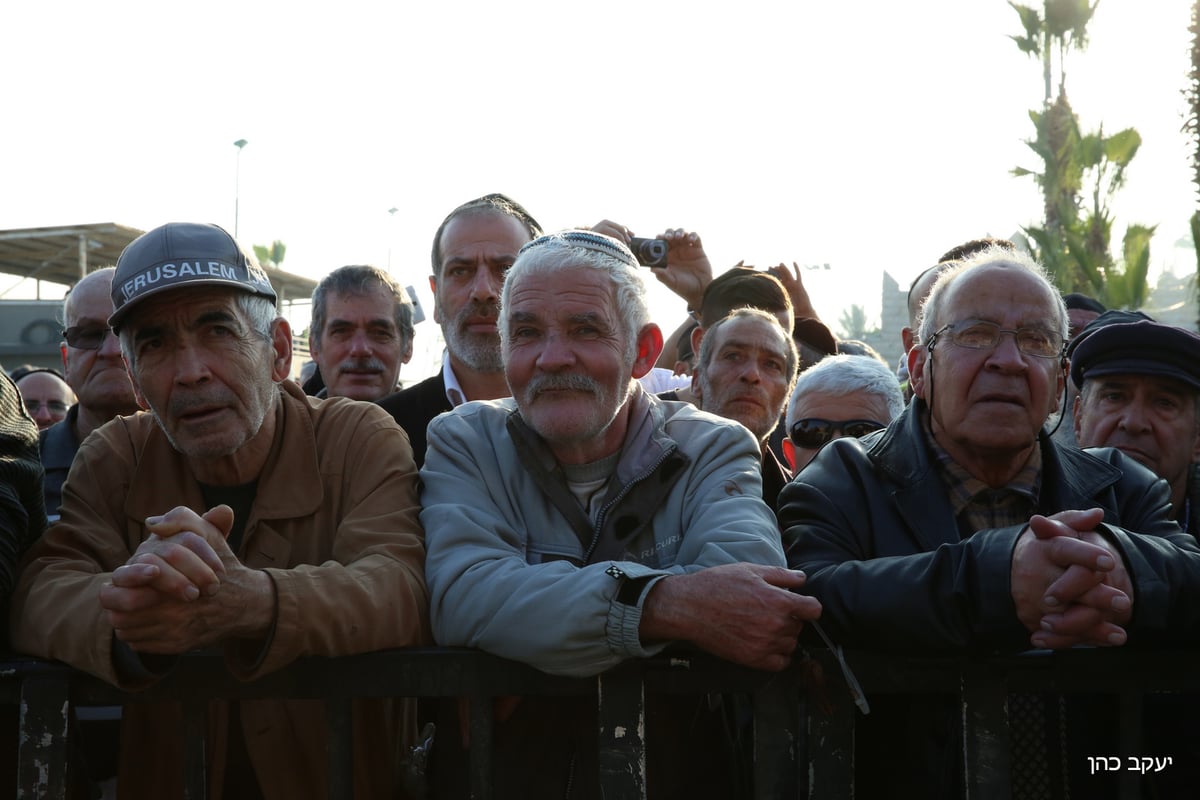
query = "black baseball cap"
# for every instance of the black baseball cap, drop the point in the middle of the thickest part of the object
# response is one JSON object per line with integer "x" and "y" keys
{"x": 183, "y": 254}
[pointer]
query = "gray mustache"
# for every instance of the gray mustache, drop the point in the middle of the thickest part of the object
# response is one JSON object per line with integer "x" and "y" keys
{"x": 544, "y": 383}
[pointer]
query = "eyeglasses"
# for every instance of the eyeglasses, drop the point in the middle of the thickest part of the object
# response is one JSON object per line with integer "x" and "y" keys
{"x": 53, "y": 406}
{"x": 812, "y": 433}
{"x": 980, "y": 335}
{"x": 89, "y": 338}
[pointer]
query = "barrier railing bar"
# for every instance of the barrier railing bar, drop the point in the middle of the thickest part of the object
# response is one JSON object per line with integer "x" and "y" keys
{"x": 986, "y": 753}
{"x": 195, "y": 749}
{"x": 622, "y": 734}
{"x": 42, "y": 752}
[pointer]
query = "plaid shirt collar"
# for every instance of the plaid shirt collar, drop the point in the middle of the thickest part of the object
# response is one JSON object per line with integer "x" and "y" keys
{"x": 975, "y": 504}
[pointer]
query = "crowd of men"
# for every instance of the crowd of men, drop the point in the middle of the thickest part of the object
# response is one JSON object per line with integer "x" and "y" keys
{"x": 549, "y": 496}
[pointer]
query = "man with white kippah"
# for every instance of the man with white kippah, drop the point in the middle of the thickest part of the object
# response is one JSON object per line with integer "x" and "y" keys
{"x": 239, "y": 515}
{"x": 604, "y": 525}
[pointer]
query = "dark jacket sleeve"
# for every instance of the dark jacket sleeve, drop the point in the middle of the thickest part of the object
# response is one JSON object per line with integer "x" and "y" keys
{"x": 883, "y": 585}
{"x": 884, "y": 556}
{"x": 22, "y": 507}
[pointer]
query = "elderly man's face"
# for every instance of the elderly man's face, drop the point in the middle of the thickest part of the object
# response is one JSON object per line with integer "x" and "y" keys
{"x": 478, "y": 247}
{"x": 747, "y": 376}
{"x": 98, "y": 376}
{"x": 567, "y": 360}
{"x": 361, "y": 349}
{"x": 46, "y": 398}
{"x": 989, "y": 404}
{"x": 206, "y": 374}
{"x": 1151, "y": 419}
{"x": 820, "y": 408}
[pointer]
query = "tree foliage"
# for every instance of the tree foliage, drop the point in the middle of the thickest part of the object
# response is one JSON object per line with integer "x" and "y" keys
{"x": 853, "y": 323}
{"x": 270, "y": 256}
{"x": 1192, "y": 126}
{"x": 1081, "y": 173}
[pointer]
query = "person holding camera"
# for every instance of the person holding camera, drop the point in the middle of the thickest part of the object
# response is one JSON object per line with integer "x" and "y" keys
{"x": 605, "y": 524}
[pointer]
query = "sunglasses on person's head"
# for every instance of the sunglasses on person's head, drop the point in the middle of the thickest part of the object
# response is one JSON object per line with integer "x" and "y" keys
{"x": 812, "y": 433}
{"x": 90, "y": 337}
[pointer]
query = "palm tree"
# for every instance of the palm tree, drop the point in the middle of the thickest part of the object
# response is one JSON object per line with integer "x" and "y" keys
{"x": 270, "y": 257}
{"x": 1192, "y": 126}
{"x": 1074, "y": 241}
{"x": 853, "y": 322}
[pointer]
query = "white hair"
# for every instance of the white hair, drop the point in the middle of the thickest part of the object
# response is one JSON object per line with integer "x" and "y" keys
{"x": 840, "y": 376}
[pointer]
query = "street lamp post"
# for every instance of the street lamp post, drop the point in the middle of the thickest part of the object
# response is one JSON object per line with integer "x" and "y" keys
{"x": 392, "y": 216}
{"x": 237, "y": 185}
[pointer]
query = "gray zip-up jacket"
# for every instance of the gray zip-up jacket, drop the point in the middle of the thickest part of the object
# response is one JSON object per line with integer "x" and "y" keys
{"x": 516, "y": 568}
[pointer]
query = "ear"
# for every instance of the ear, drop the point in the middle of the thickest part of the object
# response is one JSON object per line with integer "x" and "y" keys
{"x": 649, "y": 345}
{"x": 789, "y": 452}
{"x": 408, "y": 351}
{"x": 916, "y": 370}
{"x": 281, "y": 346}
{"x": 697, "y": 337}
{"x": 62, "y": 350}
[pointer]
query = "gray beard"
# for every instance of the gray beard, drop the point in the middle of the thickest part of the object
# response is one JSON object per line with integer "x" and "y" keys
{"x": 480, "y": 352}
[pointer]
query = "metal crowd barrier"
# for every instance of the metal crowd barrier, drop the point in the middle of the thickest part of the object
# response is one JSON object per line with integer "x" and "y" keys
{"x": 803, "y": 724}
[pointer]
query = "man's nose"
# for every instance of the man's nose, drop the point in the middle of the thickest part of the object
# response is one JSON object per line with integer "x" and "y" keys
{"x": 555, "y": 354}
{"x": 1134, "y": 417}
{"x": 360, "y": 344}
{"x": 110, "y": 347}
{"x": 485, "y": 287}
{"x": 190, "y": 365}
{"x": 1007, "y": 354}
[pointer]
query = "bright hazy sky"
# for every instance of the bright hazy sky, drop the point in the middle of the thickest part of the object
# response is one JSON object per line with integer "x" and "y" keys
{"x": 869, "y": 135}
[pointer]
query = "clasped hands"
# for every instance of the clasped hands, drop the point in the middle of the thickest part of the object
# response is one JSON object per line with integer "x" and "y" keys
{"x": 1069, "y": 583}
{"x": 184, "y": 588}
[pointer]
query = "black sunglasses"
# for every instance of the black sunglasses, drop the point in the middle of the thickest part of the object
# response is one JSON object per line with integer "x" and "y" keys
{"x": 89, "y": 338}
{"x": 812, "y": 433}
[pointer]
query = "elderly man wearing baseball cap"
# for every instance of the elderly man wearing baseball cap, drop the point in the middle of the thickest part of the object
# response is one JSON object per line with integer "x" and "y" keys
{"x": 239, "y": 516}
{"x": 1139, "y": 383}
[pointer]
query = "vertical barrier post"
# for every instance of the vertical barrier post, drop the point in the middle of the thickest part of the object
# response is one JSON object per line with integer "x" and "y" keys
{"x": 622, "y": 736}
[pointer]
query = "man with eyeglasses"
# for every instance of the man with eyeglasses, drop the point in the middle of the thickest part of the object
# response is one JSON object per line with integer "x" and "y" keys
{"x": 94, "y": 370}
{"x": 840, "y": 396}
{"x": 963, "y": 526}
{"x": 45, "y": 395}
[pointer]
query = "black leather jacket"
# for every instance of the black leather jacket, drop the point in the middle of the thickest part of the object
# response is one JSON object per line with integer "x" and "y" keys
{"x": 871, "y": 523}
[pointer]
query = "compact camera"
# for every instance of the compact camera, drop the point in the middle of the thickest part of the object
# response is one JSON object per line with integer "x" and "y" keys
{"x": 649, "y": 252}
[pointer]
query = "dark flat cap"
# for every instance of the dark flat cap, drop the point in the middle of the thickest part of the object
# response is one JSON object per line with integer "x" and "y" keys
{"x": 1082, "y": 302}
{"x": 1131, "y": 343}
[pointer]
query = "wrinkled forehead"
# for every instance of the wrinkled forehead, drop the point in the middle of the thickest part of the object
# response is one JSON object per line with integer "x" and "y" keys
{"x": 1002, "y": 293}
{"x": 561, "y": 289}
{"x": 763, "y": 334}
{"x": 182, "y": 306}
{"x": 90, "y": 299}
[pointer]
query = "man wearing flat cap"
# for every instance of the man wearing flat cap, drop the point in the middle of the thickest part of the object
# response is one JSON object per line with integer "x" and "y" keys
{"x": 1139, "y": 383}
{"x": 239, "y": 516}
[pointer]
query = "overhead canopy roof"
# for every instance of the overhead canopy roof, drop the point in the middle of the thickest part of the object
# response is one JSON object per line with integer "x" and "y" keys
{"x": 65, "y": 253}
